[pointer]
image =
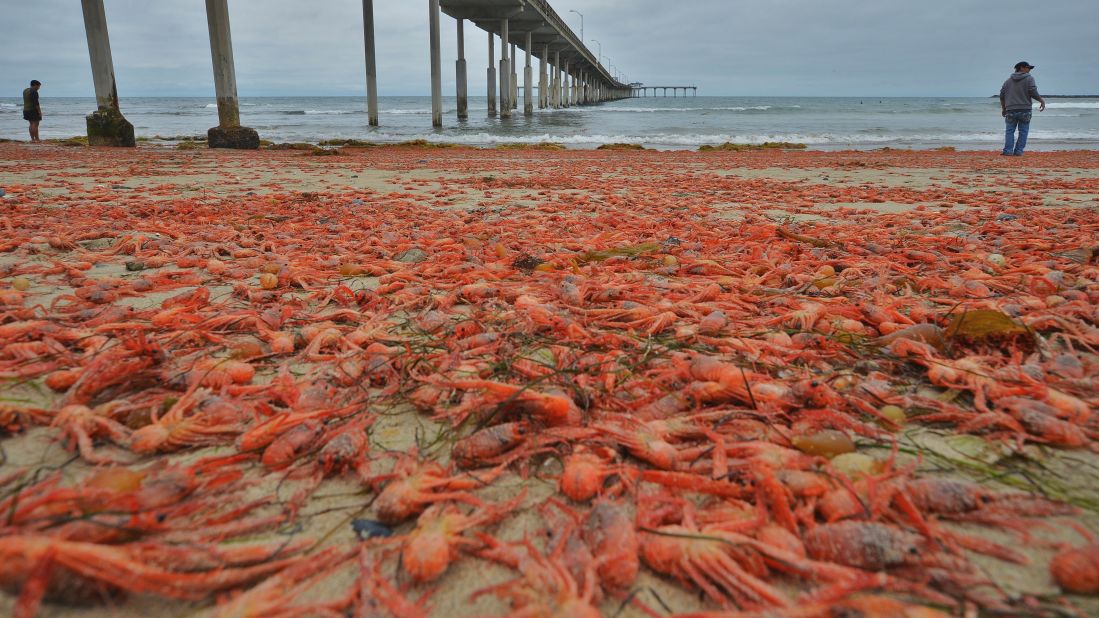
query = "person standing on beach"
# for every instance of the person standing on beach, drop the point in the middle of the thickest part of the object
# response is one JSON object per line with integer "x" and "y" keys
{"x": 32, "y": 110}
{"x": 1016, "y": 107}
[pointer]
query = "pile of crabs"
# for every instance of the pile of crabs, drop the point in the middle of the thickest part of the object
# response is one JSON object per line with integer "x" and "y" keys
{"x": 717, "y": 405}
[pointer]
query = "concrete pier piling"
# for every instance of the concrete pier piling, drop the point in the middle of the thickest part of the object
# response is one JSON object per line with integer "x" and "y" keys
{"x": 543, "y": 79}
{"x": 460, "y": 73}
{"x": 565, "y": 85}
{"x": 528, "y": 87}
{"x": 505, "y": 71}
{"x": 491, "y": 75}
{"x": 436, "y": 65}
{"x": 514, "y": 77}
{"x": 574, "y": 75}
{"x": 555, "y": 89}
{"x": 229, "y": 133}
{"x": 106, "y": 125}
{"x": 371, "y": 63}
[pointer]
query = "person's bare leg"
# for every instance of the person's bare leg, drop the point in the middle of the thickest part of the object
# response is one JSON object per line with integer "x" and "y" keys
{"x": 34, "y": 132}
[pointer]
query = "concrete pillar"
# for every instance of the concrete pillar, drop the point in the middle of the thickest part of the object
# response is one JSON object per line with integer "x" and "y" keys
{"x": 543, "y": 80}
{"x": 567, "y": 94}
{"x": 528, "y": 87}
{"x": 460, "y": 73}
{"x": 555, "y": 89}
{"x": 491, "y": 75}
{"x": 106, "y": 125}
{"x": 371, "y": 63}
{"x": 559, "y": 91}
{"x": 514, "y": 78}
{"x": 505, "y": 71}
{"x": 228, "y": 133}
{"x": 436, "y": 64}
{"x": 564, "y": 94}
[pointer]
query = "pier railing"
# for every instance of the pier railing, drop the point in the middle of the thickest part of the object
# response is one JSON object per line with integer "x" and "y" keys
{"x": 566, "y": 32}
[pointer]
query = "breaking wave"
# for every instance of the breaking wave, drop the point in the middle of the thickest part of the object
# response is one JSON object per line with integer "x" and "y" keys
{"x": 320, "y": 112}
{"x": 688, "y": 140}
{"x": 1072, "y": 105}
{"x": 656, "y": 110}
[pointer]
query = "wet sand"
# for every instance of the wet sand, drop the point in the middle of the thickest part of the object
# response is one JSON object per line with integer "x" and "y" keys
{"x": 781, "y": 186}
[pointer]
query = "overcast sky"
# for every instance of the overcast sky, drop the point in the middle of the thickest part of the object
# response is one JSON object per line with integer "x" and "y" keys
{"x": 725, "y": 47}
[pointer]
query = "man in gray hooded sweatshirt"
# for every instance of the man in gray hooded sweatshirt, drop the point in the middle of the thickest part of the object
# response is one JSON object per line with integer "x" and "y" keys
{"x": 1015, "y": 106}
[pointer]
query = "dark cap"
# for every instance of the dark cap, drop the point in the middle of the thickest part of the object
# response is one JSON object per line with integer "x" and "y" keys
{"x": 35, "y": 82}
{"x": 1024, "y": 65}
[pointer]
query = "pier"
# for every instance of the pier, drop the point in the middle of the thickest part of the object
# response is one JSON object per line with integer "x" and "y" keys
{"x": 637, "y": 90}
{"x": 569, "y": 73}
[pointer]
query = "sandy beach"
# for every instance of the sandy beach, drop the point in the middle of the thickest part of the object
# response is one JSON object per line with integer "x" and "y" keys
{"x": 378, "y": 241}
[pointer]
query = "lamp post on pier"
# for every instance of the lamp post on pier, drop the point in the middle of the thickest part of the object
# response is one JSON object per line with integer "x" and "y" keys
{"x": 600, "y": 51}
{"x": 581, "y": 23}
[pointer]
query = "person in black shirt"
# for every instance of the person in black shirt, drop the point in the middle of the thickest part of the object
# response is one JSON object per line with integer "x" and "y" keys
{"x": 32, "y": 110}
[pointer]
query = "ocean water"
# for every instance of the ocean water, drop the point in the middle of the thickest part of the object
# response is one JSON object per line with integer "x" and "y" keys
{"x": 666, "y": 123}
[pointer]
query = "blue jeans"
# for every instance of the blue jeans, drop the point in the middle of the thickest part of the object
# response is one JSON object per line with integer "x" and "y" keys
{"x": 1016, "y": 120}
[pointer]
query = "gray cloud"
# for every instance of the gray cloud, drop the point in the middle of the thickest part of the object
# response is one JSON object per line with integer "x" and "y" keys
{"x": 777, "y": 47}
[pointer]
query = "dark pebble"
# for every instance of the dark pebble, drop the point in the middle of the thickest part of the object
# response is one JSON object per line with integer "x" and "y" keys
{"x": 368, "y": 529}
